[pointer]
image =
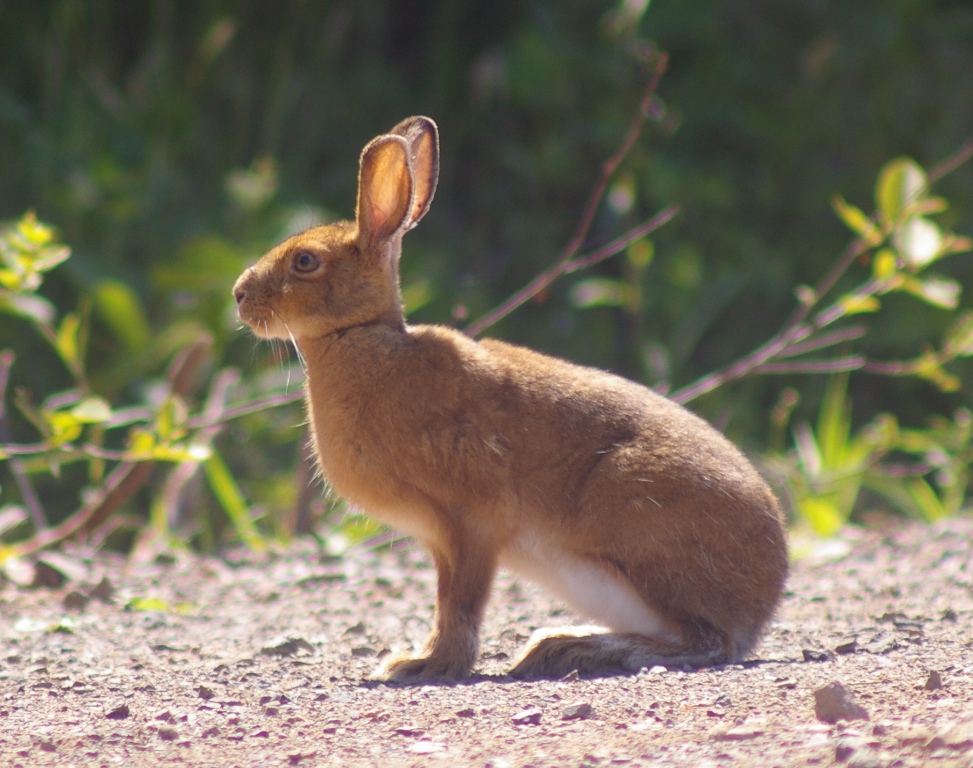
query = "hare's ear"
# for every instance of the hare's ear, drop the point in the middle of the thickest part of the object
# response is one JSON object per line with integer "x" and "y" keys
{"x": 422, "y": 137}
{"x": 385, "y": 190}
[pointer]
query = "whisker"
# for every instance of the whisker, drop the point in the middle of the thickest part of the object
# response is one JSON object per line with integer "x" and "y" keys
{"x": 297, "y": 349}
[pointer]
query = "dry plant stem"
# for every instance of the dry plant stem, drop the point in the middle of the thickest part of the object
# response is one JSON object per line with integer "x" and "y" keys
{"x": 539, "y": 283}
{"x": 27, "y": 492}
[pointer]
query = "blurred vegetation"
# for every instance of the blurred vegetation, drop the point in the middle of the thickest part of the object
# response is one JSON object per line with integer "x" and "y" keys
{"x": 170, "y": 144}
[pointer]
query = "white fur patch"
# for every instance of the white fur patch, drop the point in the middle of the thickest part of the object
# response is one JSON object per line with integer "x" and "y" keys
{"x": 592, "y": 591}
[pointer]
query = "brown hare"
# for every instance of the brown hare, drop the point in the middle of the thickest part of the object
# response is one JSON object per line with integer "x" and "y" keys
{"x": 626, "y": 506}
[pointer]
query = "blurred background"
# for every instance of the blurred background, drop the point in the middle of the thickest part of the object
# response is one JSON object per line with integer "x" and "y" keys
{"x": 171, "y": 143}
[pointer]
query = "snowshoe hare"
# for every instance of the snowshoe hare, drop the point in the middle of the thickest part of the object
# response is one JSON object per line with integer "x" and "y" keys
{"x": 626, "y": 506}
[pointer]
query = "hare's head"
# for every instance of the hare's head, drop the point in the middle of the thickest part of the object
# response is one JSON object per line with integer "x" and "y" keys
{"x": 345, "y": 274}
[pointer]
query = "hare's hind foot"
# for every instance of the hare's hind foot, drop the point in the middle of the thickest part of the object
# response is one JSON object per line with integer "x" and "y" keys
{"x": 554, "y": 653}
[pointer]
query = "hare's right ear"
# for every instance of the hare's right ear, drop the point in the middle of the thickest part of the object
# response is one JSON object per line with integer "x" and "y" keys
{"x": 423, "y": 139}
{"x": 386, "y": 190}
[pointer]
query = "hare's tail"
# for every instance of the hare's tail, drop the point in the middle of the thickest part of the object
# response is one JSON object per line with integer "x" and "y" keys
{"x": 554, "y": 653}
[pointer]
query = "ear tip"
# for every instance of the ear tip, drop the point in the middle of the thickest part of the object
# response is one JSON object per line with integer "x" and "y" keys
{"x": 417, "y": 125}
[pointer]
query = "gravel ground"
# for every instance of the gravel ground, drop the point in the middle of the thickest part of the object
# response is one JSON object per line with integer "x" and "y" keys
{"x": 260, "y": 661}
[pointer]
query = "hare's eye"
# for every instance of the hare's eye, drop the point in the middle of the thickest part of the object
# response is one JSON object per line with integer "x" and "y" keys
{"x": 305, "y": 261}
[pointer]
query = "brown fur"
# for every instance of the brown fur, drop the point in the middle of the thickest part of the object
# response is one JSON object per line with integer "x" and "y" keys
{"x": 625, "y": 504}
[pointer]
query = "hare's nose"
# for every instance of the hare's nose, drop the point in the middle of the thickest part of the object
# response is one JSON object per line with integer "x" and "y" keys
{"x": 239, "y": 294}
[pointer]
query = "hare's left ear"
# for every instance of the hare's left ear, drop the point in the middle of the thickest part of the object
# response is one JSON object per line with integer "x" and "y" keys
{"x": 422, "y": 137}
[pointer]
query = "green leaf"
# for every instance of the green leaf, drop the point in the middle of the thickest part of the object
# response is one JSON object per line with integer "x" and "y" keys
{"x": 884, "y": 264}
{"x": 158, "y": 605}
{"x": 10, "y": 279}
{"x": 856, "y": 305}
{"x": 930, "y": 368}
{"x": 959, "y": 337}
{"x": 919, "y": 240}
{"x": 30, "y": 306}
{"x": 92, "y": 410}
{"x": 857, "y": 221}
{"x": 597, "y": 292}
{"x": 64, "y": 427}
{"x": 252, "y": 188}
{"x": 821, "y": 514}
{"x": 35, "y": 232}
{"x": 121, "y": 310}
{"x": 925, "y": 499}
{"x": 66, "y": 341}
{"x": 942, "y": 292}
{"x": 50, "y": 257}
{"x": 834, "y": 423}
{"x": 171, "y": 419}
{"x": 227, "y": 492}
{"x": 141, "y": 444}
{"x": 181, "y": 453}
{"x": 640, "y": 253}
{"x": 901, "y": 184}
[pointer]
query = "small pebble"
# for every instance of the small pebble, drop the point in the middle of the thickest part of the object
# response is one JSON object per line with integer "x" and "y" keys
{"x": 527, "y": 717}
{"x": 833, "y": 703}
{"x": 934, "y": 682}
{"x": 579, "y": 711}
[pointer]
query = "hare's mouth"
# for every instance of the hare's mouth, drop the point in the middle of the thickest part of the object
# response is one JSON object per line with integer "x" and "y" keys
{"x": 265, "y": 326}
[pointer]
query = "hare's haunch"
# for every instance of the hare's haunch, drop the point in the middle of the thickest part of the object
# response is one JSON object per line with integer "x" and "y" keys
{"x": 626, "y": 506}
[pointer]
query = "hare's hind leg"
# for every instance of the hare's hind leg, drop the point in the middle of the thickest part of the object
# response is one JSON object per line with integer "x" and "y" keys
{"x": 557, "y": 652}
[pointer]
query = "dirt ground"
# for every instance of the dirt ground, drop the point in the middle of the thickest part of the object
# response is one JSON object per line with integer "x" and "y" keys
{"x": 260, "y": 661}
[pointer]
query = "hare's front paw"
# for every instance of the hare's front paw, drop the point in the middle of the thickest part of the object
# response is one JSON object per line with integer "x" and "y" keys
{"x": 405, "y": 668}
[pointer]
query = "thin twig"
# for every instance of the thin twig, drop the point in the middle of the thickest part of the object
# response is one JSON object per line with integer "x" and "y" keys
{"x": 951, "y": 163}
{"x": 834, "y": 365}
{"x": 245, "y": 409}
{"x": 539, "y": 283}
{"x": 851, "y": 333}
{"x": 621, "y": 243}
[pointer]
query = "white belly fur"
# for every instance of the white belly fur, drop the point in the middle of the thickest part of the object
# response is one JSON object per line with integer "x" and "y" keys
{"x": 592, "y": 591}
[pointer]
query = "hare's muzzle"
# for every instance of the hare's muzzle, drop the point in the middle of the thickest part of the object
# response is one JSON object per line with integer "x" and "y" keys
{"x": 240, "y": 288}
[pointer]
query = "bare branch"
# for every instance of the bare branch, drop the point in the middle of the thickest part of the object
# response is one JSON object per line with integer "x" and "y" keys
{"x": 539, "y": 283}
{"x": 951, "y": 163}
{"x": 825, "y": 340}
{"x": 245, "y": 409}
{"x": 619, "y": 244}
{"x": 835, "y": 365}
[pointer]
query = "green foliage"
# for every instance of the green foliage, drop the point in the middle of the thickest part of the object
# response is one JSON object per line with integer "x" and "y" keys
{"x": 830, "y": 465}
{"x": 826, "y": 471}
{"x": 938, "y": 486}
{"x": 171, "y": 144}
{"x": 79, "y": 425}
